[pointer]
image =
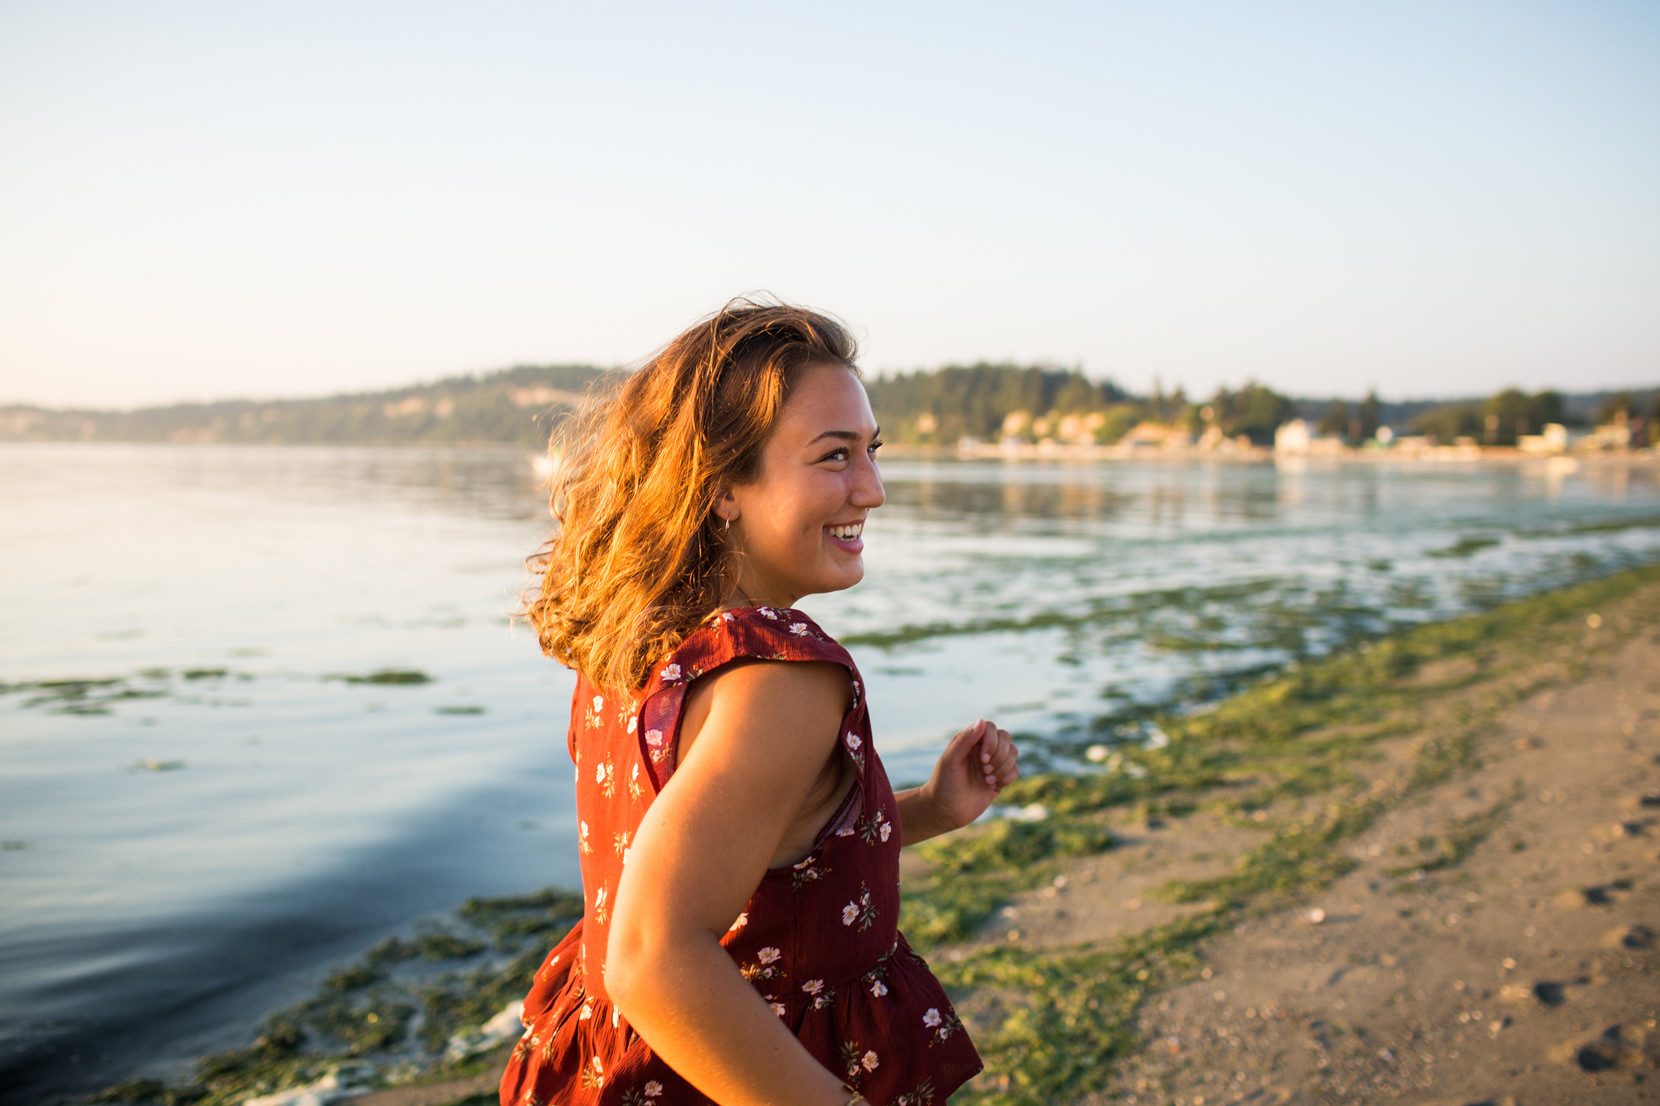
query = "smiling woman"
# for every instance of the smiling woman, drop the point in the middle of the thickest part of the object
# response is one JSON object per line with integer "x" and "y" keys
{"x": 801, "y": 519}
{"x": 739, "y": 837}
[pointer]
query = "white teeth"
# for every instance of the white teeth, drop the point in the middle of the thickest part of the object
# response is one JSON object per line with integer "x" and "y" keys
{"x": 847, "y": 533}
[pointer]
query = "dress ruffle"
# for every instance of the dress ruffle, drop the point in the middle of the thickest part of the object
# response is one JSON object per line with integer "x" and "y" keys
{"x": 859, "y": 1028}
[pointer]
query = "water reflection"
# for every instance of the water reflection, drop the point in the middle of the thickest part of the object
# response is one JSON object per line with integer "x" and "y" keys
{"x": 1071, "y": 602}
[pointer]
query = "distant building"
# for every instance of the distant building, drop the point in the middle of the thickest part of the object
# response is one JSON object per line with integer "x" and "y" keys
{"x": 1613, "y": 435}
{"x": 1553, "y": 440}
{"x": 1292, "y": 437}
{"x": 1153, "y": 435}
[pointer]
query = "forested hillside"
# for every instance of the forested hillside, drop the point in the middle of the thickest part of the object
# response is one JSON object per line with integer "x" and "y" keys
{"x": 514, "y": 406}
{"x": 938, "y": 407}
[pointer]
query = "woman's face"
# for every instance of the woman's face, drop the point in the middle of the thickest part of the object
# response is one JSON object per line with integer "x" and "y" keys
{"x": 799, "y": 521}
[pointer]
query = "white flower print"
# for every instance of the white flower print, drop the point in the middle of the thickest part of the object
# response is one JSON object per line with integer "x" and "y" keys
{"x": 654, "y": 738}
{"x": 606, "y": 778}
{"x": 619, "y": 842}
{"x": 768, "y": 612}
{"x": 853, "y": 743}
{"x": 813, "y": 986}
{"x": 931, "y": 1018}
{"x": 869, "y": 1061}
{"x": 799, "y": 629}
{"x": 599, "y": 703}
{"x": 887, "y": 830}
{"x": 777, "y": 1008}
{"x": 671, "y": 672}
{"x": 634, "y": 781}
{"x": 653, "y": 1089}
{"x": 594, "y": 1074}
{"x": 601, "y": 911}
{"x": 633, "y": 722}
{"x": 582, "y": 838}
{"x": 860, "y": 910}
{"x": 878, "y": 988}
{"x": 587, "y": 1012}
{"x": 766, "y": 966}
{"x": 743, "y": 920}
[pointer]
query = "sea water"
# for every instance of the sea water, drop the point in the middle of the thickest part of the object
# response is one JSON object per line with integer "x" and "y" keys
{"x": 261, "y": 707}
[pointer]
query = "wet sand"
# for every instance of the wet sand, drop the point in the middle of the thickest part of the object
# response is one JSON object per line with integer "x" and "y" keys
{"x": 1527, "y": 972}
{"x": 1495, "y": 942}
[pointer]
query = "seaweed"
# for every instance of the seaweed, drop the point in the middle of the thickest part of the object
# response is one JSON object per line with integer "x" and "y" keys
{"x": 1465, "y": 547}
{"x": 1286, "y": 752}
{"x": 395, "y": 676}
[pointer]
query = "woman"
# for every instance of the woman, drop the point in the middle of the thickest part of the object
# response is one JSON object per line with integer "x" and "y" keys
{"x": 739, "y": 839}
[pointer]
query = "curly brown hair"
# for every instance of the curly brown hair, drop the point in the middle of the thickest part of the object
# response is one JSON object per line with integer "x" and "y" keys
{"x": 637, "y": 559}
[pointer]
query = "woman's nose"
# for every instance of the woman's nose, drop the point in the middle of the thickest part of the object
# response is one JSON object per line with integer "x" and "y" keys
{"x": 868, "y": 492}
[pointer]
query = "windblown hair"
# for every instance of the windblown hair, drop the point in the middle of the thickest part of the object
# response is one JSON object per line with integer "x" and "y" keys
{"x": 638, "y": 558}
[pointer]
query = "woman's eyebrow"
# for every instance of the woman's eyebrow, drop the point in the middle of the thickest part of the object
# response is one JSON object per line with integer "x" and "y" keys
{"x": 846, "y": 435}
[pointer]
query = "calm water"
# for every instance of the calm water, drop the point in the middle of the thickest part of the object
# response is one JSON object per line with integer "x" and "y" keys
{"x": 201, "y": 813}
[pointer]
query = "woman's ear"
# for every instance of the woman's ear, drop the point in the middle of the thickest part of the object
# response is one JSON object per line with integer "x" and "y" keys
{"x": 726, "y": 507}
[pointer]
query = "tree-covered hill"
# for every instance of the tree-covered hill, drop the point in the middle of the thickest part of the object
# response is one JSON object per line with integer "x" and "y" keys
{"x": 975, "y": 401}
{"x": 514, "y": 406}
{"x": 939, "y": 407}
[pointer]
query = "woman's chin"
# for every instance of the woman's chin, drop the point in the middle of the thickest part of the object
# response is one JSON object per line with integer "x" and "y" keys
{"x": 848, "y": 576}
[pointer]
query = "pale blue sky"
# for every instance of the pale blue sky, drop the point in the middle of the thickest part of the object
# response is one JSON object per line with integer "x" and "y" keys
{"x": 209, "y": 200}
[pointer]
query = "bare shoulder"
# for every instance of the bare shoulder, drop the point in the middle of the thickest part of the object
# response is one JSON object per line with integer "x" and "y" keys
{"x": 783, "y": 705}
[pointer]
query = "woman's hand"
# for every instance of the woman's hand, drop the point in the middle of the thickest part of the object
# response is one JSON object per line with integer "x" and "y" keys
{"x": 978, "y": 762}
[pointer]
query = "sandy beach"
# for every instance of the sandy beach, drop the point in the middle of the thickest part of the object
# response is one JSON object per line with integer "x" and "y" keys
{"x": 1488, "y": 936}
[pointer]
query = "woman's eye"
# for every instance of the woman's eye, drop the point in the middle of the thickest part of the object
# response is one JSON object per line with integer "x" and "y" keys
{"x": 874, "y": 446}
{"x": 835, "y": 455}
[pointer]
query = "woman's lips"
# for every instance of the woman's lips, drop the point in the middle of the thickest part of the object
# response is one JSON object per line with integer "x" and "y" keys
{"x": 847, "y": 535}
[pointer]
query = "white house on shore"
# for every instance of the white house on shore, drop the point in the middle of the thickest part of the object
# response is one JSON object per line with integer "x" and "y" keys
{"x": 1296, "y": 438}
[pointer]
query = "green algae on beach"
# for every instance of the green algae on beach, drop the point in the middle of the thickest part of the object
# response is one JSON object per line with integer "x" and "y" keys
{"x": 1290, "y": 761}
{"x": 1050, "y": 1022}
{"x": 399, "y": 1009}
{"x": 1465, "y": 547}
{"x": 398, "y": 676}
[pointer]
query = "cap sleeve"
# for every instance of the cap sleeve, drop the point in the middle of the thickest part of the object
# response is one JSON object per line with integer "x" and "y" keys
{"x": 761, "y": 633}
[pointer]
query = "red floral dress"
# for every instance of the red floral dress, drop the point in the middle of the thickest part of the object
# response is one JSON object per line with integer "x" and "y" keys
{"x": 818, "y": 939}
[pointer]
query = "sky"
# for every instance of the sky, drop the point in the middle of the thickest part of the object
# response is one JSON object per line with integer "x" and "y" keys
{"x": 204, "y": 200}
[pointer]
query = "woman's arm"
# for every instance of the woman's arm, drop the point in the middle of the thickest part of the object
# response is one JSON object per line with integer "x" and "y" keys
{"x": 700, "y": 852}
{"x": 977, "y": 763}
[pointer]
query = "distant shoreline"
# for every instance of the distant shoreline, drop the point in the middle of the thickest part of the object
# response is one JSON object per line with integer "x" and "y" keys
{"x": 1442, "y": 456}
{"x": 1025, "y": 453}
